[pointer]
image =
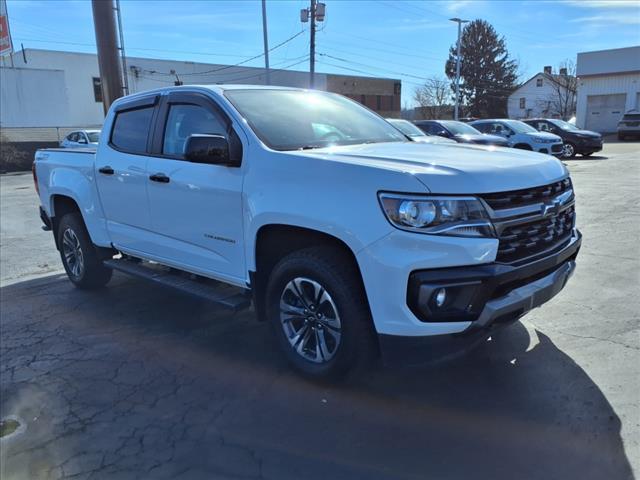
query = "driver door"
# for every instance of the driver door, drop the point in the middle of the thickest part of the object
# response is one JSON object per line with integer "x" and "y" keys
{"x": 196, "y": 209}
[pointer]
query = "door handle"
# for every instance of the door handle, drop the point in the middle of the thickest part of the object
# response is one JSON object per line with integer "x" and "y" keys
{"x": 159, "y": 177}
{"x": 107, "y": 170}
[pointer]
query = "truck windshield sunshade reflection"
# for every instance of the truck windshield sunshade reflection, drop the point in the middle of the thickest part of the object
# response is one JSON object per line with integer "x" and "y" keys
{"x": 300, "y": 119}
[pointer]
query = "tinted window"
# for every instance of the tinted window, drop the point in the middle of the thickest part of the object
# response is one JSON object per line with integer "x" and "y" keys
{"x": 427, "y": 127}
{"x": 130, "y": 130}
{"x": 185, "y": 120}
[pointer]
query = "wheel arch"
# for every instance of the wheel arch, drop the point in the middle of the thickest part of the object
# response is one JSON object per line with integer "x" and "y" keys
{"x": 274, "y": 241}
{"x": 60, "y": 206}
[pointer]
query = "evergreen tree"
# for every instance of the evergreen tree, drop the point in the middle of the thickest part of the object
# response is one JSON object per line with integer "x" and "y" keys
{"x": 487, "y": 74}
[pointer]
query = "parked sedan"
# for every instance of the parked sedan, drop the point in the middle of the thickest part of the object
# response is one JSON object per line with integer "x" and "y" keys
{"x": 81, "y": 138}
{"x": 520, "y": 135}
{"x": 460, "y": 132}
{"x": 415, "y": 134}
{"x": 584, "y": 142}
{"x": 629, "y": 125}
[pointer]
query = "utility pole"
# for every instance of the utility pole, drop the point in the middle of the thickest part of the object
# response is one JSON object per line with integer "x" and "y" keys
{"x": 125, "y": 77}
{"x": 312, "y": 46}
{"x": 104, "y": 23}
{"x": 459, "y": 22}
{"x": 266, "y": 41}
{"x": 315, "y": 12}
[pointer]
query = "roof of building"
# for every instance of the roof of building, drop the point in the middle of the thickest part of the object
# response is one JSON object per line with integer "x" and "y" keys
{"x": 552, "y": 77}
{"x": 608, "y": 62}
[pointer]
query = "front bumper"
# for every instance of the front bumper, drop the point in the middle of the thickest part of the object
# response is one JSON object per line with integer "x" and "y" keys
{"x": 501, "y": 295}
{"x": 589, "y": 145}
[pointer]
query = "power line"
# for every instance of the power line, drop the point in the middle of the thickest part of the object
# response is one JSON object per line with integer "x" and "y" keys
{"x": 131, "y": 48}
{"x": 214, "y": 70}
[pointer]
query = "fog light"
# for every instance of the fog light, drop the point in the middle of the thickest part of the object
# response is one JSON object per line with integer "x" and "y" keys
{"x": 441, "y": 296}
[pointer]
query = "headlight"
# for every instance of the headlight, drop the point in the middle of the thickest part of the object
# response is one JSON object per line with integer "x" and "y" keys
{"x": 437, "y": 215}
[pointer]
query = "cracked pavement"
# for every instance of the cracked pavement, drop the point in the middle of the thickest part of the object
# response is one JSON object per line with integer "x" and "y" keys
{"x": 137, "y": 381}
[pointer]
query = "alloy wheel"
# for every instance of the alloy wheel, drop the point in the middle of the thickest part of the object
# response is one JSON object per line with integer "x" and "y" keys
{"x": 72, "y": 252}
{"x": 310, "y": 320}
{"x": 568, "y": 151}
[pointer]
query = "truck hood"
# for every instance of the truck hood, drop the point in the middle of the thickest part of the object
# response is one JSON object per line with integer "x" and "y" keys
{"x": 447, "y": 169}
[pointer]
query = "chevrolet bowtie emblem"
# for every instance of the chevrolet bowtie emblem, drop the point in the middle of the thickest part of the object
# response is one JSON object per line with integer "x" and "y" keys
{"x": 552, "y": 208}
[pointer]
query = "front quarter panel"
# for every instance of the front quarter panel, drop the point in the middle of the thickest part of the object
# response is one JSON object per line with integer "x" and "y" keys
{"x": 319, "y": 193}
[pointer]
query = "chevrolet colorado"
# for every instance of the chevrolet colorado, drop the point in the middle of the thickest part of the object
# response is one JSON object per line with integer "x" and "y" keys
{"x": 351, "y": 240}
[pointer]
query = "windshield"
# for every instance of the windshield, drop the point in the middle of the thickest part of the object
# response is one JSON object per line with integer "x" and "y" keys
{"x": 93, "y": 137}
{"x": 406, "y": 127}
{"x": 298, "y": 119}
{"x": 564, "y": 125}
{"x": 459, "y": 128}
{"x": 519, "y": 127}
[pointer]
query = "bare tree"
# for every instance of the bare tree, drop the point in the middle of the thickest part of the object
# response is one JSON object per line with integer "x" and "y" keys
{"x": 433, "y": 98}
{"x": 562, "y": 100}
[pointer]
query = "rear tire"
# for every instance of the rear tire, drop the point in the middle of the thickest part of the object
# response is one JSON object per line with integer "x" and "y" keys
{"x": 317, "y": 308}
{"x": 80, "y": 257}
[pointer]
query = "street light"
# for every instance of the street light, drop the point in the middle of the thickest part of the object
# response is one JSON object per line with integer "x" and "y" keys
{"x": 459, "y": 22}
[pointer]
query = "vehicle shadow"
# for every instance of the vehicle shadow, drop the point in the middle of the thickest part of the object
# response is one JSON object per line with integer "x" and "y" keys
{"x": 143, "y": 359}
{"x": 580, "y": 158}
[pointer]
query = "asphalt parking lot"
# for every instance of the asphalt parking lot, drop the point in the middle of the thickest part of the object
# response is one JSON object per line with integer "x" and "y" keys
{"x": 135, "y": 381}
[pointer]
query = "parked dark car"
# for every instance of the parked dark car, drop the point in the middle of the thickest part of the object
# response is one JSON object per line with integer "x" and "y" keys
{"x": 415, "y": 134}
{"x": 575, "y": 140}
{"x": 460, "y": 132}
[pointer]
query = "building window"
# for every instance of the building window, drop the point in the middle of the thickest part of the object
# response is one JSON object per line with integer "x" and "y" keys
{"x": 523, "y": 103}
{"x": 363, "y": 99}
{"x": 538, "y": 82}
{"x": 97, "y": 89}
{"x": 378, "y": 102}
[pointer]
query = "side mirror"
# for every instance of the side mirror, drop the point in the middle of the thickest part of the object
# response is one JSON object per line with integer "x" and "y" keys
{"x": 443, "y": 133}
{"x": 209, "y": 149}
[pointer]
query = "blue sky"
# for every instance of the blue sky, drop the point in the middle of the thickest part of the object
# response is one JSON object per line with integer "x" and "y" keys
{"x": 399, "y": 39}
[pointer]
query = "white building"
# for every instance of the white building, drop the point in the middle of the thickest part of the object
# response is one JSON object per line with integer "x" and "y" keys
{"x": 543, "y": 95}
{"x": 45, "y": 89}
{"x": 608, "y": 86}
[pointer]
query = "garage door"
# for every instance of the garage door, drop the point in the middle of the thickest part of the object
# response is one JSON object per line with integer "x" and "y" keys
{"x": 604, "y": 111}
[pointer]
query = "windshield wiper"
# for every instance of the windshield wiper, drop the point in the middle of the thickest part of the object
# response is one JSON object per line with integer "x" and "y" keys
{"x": 311, "y": 147}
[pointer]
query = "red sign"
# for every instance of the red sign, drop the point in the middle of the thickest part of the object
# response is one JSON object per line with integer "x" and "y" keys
{"x": 6, "y": 46}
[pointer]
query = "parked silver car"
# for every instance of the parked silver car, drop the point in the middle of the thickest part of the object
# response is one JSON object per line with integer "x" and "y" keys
{"x": 629, "y": 125}
{"x": 81, "y": 139}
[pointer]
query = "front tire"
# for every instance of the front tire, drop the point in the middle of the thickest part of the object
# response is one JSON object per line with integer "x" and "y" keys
{"x": 568, "y": 150}
{"x": 80, "y": 257}
{"x": 319, "y": 314}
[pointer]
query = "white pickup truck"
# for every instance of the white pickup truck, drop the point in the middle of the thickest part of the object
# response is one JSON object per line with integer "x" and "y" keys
{"x": 351, "y": 240}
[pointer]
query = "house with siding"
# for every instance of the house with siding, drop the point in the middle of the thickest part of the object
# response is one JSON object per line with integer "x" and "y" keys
{"x": 544, "y": 95}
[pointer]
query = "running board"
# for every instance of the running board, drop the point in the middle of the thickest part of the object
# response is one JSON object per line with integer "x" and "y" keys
{"x": 227, "y": 296}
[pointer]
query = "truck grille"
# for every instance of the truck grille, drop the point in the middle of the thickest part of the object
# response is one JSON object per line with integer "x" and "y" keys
{"x": 532, "y": 222}
{"x": 518, "y": 198}
{"x": 527, "y": 239}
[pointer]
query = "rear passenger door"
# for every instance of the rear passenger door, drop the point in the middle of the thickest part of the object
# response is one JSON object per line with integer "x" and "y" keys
{"x": 196, "y": 209}
{"x": 121, "y": 175}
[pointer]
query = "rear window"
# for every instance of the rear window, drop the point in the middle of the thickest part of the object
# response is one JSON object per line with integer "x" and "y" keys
{"x": 631, "y": 116}
{"x": 131, "y": 129}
